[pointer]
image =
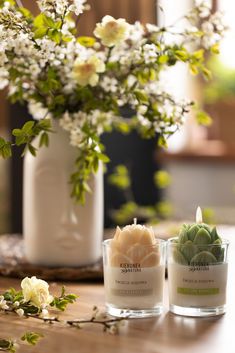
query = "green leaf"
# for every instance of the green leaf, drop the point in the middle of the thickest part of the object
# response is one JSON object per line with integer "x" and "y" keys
{"x": 87, "y": 187}
{"x": 31, "y": 337}
{"x": 206, "y": 73}
{"x": 193, "y": 69}
{"x": 126, "y": 213}
{"x": 86, "y": 41}
{"x": 123, "y": 127}
{"x": 215, "y": 49}
{"x": 141, "y": 96}
{"x": 27, "y": 127}
{"x": 199, "y": 54}
{"x": 120, "y": 178}
{"x": 182, "y": 55}
{"x": 39, "y": 21}
{"x": 25, "y": 12}
{"x": 16, "y": 132}
{"x": 44, "y": 124}
{"x": 162, "y": 59}
{"x": 44, "y": 140}
{"x": 7, "y": 346}
{"x": 5, "y": 148}
{"x": 203, "y": 118}
{"x": 103, "y": 158}
{"x": 162, "y": 141}
{"x": 55, "y": 35}
{"x": 162, "y": 179}
{"x": 47, "y": 21}
{"x": 40, "y": 32}
{"x": 61, "y": 302}
{"x": 32, "y": 149}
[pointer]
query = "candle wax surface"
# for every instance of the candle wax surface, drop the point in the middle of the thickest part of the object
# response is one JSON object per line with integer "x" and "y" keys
{"x": 134, "y": 244}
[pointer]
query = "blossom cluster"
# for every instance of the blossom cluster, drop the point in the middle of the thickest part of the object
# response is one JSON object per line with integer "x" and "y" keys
{"x": 87, "y": 82}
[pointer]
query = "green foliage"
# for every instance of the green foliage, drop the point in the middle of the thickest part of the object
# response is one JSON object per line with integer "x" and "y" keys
{"x": 141, "y": 96}
{"x": 86, "y": 41}
{"x": 222, "y": 86}
{"x": 29, "y": 131}
{"x": 203, "y": 118}
{"x": 11, "y": 2}
{"x": 88, "y": 162}
{"x": 208, "y": 215}
{"x": 5, "y": 148}
{"x": 12, "y": 295}
{"x": 7, "y": 346}
{"x": 46, "y": 26}
{"x": 162, "y": 179}
{"x": 126, "y": 213}
{"x": 164, "y": 209}
{"x": 63, "y": 300}
{"x": 31, "y": 338}
{"x": 26, "y": 13}
{"x": 120, "y": 178}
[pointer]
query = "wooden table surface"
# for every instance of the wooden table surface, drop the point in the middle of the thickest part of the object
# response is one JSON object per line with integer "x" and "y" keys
{"x": 167, "y": 333}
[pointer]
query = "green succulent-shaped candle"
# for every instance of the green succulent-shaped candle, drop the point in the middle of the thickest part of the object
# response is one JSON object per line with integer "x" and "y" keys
{"x": 198, "y": 245}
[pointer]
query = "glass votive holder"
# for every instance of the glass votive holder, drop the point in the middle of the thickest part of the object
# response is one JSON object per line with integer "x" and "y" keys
{"x": 134, "y": 283}
{"x": 197, "y": 278}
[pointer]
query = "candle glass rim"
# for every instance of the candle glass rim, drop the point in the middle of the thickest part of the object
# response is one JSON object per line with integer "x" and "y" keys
{"x": 170, "y": 242}
{"x": 159, "y": 242}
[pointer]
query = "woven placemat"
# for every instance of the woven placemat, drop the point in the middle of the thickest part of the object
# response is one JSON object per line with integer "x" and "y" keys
{"x": 13, "y": 263}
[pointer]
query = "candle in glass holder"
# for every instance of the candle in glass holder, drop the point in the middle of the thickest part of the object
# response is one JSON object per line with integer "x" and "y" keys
{"x": 197, "y": 270}
{"x": 134, "y": 268}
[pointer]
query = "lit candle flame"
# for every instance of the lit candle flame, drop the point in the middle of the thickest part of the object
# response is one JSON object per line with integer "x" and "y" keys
{"x": 135, "y": 221}
{"x": 199, "y": 215}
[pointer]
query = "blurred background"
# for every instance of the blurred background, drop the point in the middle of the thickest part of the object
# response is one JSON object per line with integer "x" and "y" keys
{"x": 199, "y": 166}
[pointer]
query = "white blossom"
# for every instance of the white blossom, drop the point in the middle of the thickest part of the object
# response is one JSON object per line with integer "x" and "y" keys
{"x": 111, "y": 31}
{"x": 150, "y": 53}
{"x": 86, "y": 72}
{"x": 3, "y": 78}
{"x": 203, "y": 7}
{"x": 136, "y": 32}
{"x": 152, "y": 28}
{"x": 36, "y": 291}
{"x": 20, "y": 312}
{"x": 109, "y": 84}
{"x": 3, "y": 303}
{"x": 44, "y": 313}
{"x": 37, "y": 110}
{"x": 78, "y": 6}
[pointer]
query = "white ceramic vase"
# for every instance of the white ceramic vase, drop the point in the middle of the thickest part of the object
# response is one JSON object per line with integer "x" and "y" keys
{"x": 57, "y": 230}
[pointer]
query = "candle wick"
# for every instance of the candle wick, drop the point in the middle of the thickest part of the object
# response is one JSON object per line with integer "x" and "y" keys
{"x": 135, "y": 221}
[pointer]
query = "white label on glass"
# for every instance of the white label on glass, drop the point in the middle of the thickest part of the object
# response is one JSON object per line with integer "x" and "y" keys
{"x": 203, "y": 286}
{"x": 134, "y": 286}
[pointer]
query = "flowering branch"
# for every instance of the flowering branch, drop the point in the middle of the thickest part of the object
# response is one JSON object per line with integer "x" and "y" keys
{"x": 85, "y": 82}
{"x": 110, "y": 325}
{"x": 34, "y": 301}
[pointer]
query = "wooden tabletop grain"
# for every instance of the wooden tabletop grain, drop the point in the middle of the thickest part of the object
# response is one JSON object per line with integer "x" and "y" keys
{"x": 167, "y": 333}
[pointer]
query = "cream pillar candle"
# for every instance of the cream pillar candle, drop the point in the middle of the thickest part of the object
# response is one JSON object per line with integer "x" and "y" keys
{"x": 134, "y": 268}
